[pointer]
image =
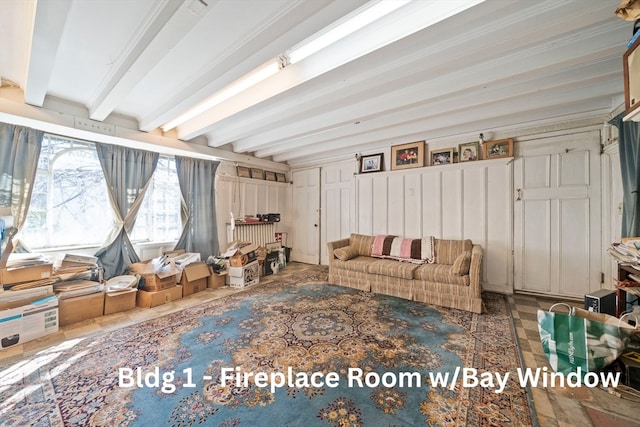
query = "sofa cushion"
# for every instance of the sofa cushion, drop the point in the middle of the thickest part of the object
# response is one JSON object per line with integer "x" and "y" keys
{"x": 346, "y": 253}
{"x": 462, "y": 264}
{"x": 362, "y": 243}
{"x": 417, "y": 251}
{"x": 439, "y": 273}
{"x": 447, "y": 251}
{"x": 360, "y": 263}
{"x": 392, "y": 268}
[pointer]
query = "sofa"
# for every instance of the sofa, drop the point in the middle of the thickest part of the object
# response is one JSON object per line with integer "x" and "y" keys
{"x": 450, "y": 278}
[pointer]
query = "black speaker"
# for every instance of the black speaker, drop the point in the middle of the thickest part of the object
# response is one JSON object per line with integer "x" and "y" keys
{"x": 601, "y": 301}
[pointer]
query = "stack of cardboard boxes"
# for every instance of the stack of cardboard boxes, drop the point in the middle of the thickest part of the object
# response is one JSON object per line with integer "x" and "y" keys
{"x": 244, "y": 269}
{"x": 36, "y": 310}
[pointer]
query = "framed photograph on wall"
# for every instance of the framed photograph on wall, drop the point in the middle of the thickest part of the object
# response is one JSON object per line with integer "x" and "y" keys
{"x": 372, "y": 163}
{"x": 441, "y": 157}
{"x": 280, "y": 177}
{"x": 497, "y": 149}
{"x": 243, "y": 172}
{"x": 257, "y": 173}
{"x": 269, "y": 176}
{"x": 407, "y": 156}
{"x": 469, "y": 152}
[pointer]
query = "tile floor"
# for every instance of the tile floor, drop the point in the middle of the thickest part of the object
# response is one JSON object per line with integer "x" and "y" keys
{"x": 554, "y": 406}
{"x": 564, "y": 406}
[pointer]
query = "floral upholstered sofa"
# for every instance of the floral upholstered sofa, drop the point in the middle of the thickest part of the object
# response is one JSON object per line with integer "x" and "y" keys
{"x": 448, "y": 276}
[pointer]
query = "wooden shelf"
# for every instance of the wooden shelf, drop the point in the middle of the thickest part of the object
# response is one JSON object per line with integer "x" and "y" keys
{"x": 626, "y": 272}
{"x": 633, "y": 116}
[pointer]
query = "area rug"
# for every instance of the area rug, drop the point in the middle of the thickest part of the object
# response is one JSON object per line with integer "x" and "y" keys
{"x": 280, "y": 354}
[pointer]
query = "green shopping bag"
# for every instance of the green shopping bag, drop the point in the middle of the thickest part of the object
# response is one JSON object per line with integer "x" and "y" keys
{"x": 582, "y": 339}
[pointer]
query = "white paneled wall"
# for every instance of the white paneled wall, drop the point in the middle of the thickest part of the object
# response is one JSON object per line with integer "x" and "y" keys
{"x": 337, "y": 217}
{"x": 470, "y": 200}
{"x": 244, "y": 196}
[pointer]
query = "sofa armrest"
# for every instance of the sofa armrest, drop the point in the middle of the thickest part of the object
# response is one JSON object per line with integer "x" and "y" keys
{"x": 475, "y": 270}
{"x": 332, "y": 246}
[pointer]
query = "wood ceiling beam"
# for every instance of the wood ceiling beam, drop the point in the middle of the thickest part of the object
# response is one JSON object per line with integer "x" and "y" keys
{"x": 386, "y": 30}
{"x": 167, "y": 24}
{"x": 465, "y": 86}
{"x": 411, "y": 64}
{"x": 49, "y": 21}
{"x": 268, "y": 40}
{"x": 511, "y": 112}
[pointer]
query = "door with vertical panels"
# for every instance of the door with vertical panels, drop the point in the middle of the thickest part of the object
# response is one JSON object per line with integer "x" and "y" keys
{"x": 557, "y": 240}
{"x": 306, "y": 214}
{"x": 338, "y": 210}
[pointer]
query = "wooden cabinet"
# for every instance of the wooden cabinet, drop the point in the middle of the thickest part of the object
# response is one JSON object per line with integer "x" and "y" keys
{"x": 627, "y": 273}
{"x": 631, "y": 63}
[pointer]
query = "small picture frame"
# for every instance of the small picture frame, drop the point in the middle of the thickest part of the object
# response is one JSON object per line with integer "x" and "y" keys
{"x": 469, "y": 152}
{"x": 372, "y": 163}
{"x": 407, "y": 156}
{"x": 269, "y": 176}
{"x": 441, "y": 157}
{"x": 257, "y": 173}
{"x": 497, "y": 149}
{"x": 280, "y": 177}
{"x": 243, "y": 172}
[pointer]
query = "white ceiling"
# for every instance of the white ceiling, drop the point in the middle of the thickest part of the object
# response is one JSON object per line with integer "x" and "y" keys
{"x": 499, "y": 65}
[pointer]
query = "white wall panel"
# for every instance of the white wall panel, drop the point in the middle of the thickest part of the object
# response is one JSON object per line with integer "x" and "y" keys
{"x": 364, "y": 206}
{"x": 431, "y": 206}
{"x": 473, "y": 204}
{"x": 456, "y": 201}
{"x": 243, "y": 196}
{"x": 379, "y": 204}
{"x": 337, "y": 204}
{"x": 250, "y": 191}
{"x": 412, "y": 206}
{"x": 498, "y": 226}
{"x": 452, "y": 204}
{"x": 395, "y": 207}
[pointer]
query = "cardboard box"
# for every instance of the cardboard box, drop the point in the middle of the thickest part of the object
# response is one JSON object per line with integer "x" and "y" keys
{"x": 25, "y": 274}
{"x": 148, "y": 299}
{"x": 215, "y": 280}
{"x": 243, "y": 256}
{"x": 156, "y": 276}
{"x": 115, "y": 302}
{"x": 31, "y": 319}
{"x": 81, "y": 308}
{"x": 241, "y": 277}
{"x": 194, "y": 278}
{"x": 174, "y": 252}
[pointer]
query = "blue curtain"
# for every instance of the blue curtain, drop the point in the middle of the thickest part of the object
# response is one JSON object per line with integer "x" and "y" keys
{"x": 197, "y": 183}
{"x": 128, "y": 173}
{"x": 19, "y": 154}
{"x": 629, "y": 144}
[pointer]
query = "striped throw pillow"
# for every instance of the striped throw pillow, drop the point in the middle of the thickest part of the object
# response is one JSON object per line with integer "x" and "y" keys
{"x": 418, "y": 251}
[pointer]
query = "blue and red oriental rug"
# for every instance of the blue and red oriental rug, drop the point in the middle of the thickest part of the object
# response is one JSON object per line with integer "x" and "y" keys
{"x": 281, "y": 354}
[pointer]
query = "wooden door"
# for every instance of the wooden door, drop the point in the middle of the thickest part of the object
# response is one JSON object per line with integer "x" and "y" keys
{"x": 557, "y": 241}
{"x": 306, "y": 216}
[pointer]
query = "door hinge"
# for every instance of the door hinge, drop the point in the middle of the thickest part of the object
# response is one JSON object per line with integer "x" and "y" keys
{"x": 601, "y": 278}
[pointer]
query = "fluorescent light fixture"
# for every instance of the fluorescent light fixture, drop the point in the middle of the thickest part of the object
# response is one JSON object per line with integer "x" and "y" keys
{"x": 417, "y": 15}
{"x": 240, "y": 85}
{"x": 351, "y": 23}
